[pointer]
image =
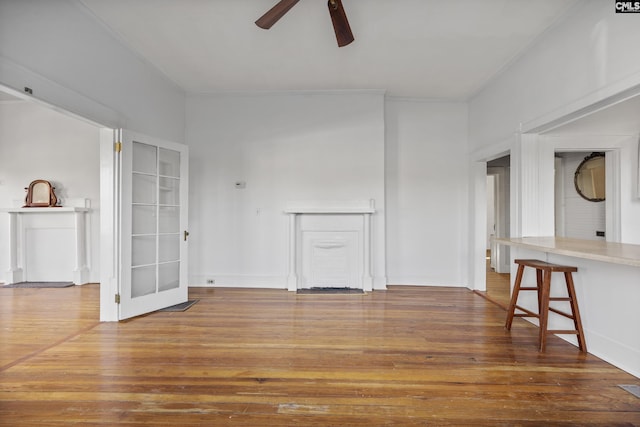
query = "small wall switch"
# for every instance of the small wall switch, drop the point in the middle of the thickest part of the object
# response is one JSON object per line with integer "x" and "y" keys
{"x": 240, "y": 185}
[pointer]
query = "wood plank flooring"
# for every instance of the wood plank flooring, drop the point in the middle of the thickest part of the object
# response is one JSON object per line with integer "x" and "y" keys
{"x": 498, "y": 287}
{"x": 409, "y": 356}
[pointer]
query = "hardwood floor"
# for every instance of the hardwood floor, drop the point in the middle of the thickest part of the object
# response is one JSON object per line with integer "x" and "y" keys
{"x": 408, "y": 356}
{"x": 498, "y": 286}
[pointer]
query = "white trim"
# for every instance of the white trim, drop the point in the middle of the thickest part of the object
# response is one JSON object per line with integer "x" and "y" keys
{"x": 598, "y": 100}
{"x": 15, "y": 78}
{"x": 617, "y": 353}
{"x": 239, "y": 281}
{"x": 613, "y": 146}
{"x": 270, "y": 93}
{"x": 108, "y": 225}
{"x": 478, "y": 236}
{"x": 421, "y": 281}
{"x": 494, "y": 151}
{"x": 613, "y": 201}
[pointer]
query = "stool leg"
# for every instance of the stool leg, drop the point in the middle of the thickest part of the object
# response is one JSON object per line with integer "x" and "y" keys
{"x": 514, "y": 297}
{"x": 539, "y": 285}
{"x": 577, "y": 322}
{"x": 544, "y": 309}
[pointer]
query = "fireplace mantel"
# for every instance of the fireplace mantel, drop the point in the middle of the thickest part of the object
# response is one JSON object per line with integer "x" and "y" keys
{"x": 55, "y": 219}
{"x": 332, "y": 213}
{"x": 330, "y": 210}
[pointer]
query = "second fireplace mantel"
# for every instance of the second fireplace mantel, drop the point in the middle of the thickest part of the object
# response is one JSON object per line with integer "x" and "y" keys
{"x": 330, "y": 212}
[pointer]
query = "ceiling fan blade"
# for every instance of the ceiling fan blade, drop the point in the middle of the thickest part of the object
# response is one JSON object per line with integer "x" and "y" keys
{"x": 272, "y": 16}
{"x": 340, "y": 23}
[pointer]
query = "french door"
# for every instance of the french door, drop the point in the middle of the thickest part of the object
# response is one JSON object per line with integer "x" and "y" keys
{"x": 152, "y": 237}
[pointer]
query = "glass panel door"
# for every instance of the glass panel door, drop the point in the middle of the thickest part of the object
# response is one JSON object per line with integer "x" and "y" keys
{"x": 153, "y": 225}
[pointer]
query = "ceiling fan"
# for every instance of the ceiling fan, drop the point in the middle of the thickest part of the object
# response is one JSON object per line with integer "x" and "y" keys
{"x": 341, "y": 26}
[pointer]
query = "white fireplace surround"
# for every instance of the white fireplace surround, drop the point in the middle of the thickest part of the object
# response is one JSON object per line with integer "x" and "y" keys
{"x": 330, "y": 244}
{"x": 48, "y": 244}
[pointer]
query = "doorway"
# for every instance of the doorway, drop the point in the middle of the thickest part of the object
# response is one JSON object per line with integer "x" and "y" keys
{"x": 40, "y": 142}
{"x": 498, "y": 225}
{"x": 577, "y": 216}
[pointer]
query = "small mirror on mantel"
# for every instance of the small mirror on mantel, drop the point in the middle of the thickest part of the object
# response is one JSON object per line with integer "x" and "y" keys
{"x": 40, "y": 194}
{"x": 589, "y": 178}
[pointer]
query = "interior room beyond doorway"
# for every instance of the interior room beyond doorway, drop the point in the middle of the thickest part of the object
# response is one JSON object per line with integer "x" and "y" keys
{"x": 498, "y": 225}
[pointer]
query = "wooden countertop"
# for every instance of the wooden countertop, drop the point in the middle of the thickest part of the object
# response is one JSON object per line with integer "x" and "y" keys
{"x": 617, "y": 253}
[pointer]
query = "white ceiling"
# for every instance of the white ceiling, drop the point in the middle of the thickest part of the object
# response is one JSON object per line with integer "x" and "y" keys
{"x": 418, "y": 48}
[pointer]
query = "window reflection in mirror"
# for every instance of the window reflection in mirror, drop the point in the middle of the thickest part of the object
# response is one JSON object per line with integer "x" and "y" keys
{"x": 40, "y": 194}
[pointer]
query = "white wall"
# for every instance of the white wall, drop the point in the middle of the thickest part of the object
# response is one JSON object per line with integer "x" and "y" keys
{"x": 286, "y": 147}
{"x": 426, "y": 181}
{"x": 40, "y": 143}
{"x": 582, "y": 61}
{"x": 58, "y": 49}
{"x": 587, "y": 55}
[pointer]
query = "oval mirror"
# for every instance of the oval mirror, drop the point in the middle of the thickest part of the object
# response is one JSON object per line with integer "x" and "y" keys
{"x": 589, "y": 178}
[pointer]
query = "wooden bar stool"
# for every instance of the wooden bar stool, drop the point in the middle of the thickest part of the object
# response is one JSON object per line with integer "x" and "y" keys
{"x": 543, "y": 287}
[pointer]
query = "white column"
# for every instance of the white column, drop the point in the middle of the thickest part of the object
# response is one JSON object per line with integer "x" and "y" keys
{"x": 367, "y": 280}
{"x": 81, "y": 271}
{"x": 15, "y": 273}
{"x": 535, "y": 192}
{"x": 292, "y": 279}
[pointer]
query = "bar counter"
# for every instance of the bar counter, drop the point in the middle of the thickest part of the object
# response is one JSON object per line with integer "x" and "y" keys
{"x": 596, "y": 250}
{"x": 607, "y": 287}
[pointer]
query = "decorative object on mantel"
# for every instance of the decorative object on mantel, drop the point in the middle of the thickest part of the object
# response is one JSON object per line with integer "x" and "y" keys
{"x": 40, "y": 194}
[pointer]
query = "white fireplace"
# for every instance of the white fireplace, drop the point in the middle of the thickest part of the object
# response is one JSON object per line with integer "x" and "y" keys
{"x": 48, "y": 244}
{"x": 330, "y": 245}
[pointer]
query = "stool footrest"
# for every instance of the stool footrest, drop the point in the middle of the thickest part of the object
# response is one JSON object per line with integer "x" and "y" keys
{"x": 527, "y": 313}
{"x": 562, "y": 313}
{"x": 563, "y": 331}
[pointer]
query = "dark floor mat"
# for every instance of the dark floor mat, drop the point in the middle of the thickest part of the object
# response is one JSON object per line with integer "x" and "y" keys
{"x": 330, "y": 291}
{"x": 39, "y": 285}
{"x": 180, "y": 307}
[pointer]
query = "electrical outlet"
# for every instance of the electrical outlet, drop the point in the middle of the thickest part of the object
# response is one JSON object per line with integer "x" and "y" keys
{"x": 211, "y": 281}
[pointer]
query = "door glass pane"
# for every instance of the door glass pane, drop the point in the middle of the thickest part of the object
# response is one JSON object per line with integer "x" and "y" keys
{"x": 144, "y": 158}
{"x": 156, "y": 238}
{"x": 169, "y": 162}
{"x": 143, "y": 250}
{"x": 143, "y": 281}
{"x": 144, "y": 189}
{"x": 144, "y": 220}
{"x": 169, "y": 220}
{"x": 169, "y": 191}
{"x": 169, "y": 247}
{"x": 169, "y": 276}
